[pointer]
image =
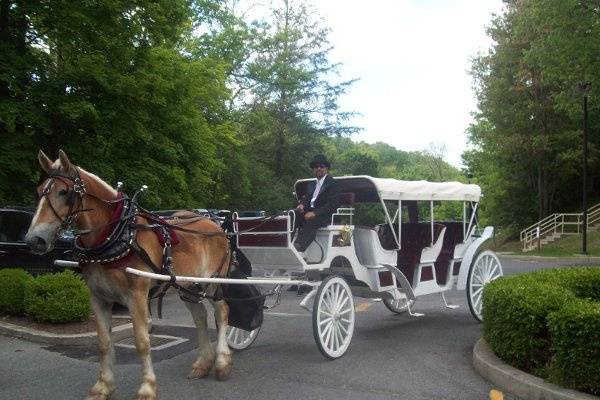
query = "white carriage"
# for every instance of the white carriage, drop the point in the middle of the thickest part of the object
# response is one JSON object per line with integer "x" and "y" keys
{"x": 396, "y": 261}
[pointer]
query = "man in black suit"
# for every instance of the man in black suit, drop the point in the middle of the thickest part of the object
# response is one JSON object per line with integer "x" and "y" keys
{"x": 316, "y": 207}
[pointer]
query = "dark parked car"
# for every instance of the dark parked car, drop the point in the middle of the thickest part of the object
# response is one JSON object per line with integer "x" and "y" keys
{"x": 14, "y": 252}
{"x": 251, "y": 213}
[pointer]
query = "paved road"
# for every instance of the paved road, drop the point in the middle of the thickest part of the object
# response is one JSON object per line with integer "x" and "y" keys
{"x": 390, "y": 357}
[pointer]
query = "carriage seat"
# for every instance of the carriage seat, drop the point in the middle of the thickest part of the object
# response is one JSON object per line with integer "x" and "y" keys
{"x": 415, "y": 244}
{"x": 368, "y": 247}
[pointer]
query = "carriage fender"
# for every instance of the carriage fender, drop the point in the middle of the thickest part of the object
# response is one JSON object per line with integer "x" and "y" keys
{"x": 461, "y": 284}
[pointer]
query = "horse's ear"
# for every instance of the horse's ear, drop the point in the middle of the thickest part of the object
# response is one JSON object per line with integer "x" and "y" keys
{"x": 44, "y": 161}
{"x": 64, "y": 160}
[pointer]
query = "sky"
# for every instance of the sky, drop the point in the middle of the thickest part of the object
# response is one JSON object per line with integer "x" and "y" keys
{"x": 412, "y": 59}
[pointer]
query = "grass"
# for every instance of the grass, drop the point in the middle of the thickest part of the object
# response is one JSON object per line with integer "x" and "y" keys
{"x": 567, "y": 246}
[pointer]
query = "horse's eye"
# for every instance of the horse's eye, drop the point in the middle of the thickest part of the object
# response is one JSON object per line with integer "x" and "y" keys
{"x": 63, "y": 192}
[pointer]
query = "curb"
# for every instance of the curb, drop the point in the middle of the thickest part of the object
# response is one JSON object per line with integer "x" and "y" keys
{"x": 77, "y": 339}
{"x": 547, "y": 258}
{"x": 517, "y": 382}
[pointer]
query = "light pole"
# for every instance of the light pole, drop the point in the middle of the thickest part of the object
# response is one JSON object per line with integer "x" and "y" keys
{"x": 585, "y": 134}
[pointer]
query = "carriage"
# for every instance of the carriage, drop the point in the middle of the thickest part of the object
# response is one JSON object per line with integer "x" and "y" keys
{"x": 397, "y": 260}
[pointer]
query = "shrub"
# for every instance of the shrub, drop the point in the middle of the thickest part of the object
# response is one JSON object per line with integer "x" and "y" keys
{"x": 575, "y": 332}
{"x": 12, "y": 286}
{"x": 515, "y": 326}
{"x": 61, "y": 297}
{"x": 548, "y": 323}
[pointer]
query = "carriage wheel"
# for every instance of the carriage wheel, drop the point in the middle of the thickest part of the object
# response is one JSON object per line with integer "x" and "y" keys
{"x": 399, "y": 306}
{"x": 333, "y": 317}
{"x": 239, "y": 339}
{"x": 484, "y": 269}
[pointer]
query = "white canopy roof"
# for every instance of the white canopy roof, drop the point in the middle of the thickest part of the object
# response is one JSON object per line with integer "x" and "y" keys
{"x": 368, "y": 189}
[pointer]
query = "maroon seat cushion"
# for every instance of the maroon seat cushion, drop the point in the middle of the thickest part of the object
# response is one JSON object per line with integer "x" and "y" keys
{"x": 261, "y": 225}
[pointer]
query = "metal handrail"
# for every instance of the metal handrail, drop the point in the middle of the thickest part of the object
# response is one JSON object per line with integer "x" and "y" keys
{"x": 555, "y": 224}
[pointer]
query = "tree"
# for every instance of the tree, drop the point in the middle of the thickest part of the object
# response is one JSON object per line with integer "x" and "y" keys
{"x": 115, "y": 85}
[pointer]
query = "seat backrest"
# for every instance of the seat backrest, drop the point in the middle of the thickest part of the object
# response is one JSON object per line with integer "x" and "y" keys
{"x": 249, "y": 228}
{"x": 368, "y": 247}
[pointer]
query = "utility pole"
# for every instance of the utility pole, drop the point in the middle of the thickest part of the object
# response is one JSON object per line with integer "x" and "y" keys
{"x": 585, "y": 134}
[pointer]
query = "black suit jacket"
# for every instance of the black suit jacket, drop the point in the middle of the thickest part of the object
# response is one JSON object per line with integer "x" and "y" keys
{"x": 328, "y": 200}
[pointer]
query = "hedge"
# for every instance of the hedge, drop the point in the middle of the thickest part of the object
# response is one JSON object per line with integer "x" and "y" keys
{"x": 548, "y": 323}
{"x": 12, "y": 287}
{"x": 60, "y": 297}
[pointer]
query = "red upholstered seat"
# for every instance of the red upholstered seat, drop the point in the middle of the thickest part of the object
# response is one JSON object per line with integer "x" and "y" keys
{"x": 453, "y": 236}
{"x": 261, "y": 225}
{"x": 413, "y": 239}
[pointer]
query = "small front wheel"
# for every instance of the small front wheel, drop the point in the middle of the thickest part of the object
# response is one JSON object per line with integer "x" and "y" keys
{"x": 239, "y": 339}
{"x": 333, "y": 317}
{"x": 399, "y": 306}
{"x": 485, "y": 268}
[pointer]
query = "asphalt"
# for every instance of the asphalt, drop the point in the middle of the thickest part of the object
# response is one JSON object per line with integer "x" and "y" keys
{"x": 391, "y": 357}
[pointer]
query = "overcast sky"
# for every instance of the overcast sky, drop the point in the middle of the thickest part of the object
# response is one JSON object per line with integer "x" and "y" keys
{"x": 412, "y": 58}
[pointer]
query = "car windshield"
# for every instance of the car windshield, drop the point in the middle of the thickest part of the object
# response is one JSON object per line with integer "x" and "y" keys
{"x": 14, "y": 226}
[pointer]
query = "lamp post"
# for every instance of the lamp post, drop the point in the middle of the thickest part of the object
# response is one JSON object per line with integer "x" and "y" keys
{"x": 584, "y": 172}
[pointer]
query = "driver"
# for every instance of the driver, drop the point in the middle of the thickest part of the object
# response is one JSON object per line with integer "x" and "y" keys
{"x": 320, "y": 201}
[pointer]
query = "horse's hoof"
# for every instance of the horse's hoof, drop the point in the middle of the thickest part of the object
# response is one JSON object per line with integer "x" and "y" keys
{"x": 147, "y": 392}
{"x": 223, "y": 373}
{"x": 199, "y": 372}
{"x": 100, "y": 391}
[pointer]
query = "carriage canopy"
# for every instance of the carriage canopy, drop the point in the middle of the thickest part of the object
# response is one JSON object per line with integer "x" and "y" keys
{"x": 367, "y": 189}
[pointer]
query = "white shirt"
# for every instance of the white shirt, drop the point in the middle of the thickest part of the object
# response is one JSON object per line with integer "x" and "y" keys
{"x": 317, "y": 190}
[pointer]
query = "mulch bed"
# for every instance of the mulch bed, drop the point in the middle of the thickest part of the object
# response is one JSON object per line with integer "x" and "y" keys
{"x": 66, "y": 328}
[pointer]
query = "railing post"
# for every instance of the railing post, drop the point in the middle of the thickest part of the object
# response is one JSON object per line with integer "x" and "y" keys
{"x": 539, "y": 240}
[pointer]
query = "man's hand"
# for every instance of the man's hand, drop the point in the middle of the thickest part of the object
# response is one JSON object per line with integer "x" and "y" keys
{"x": 300, "y": 207}
{"x": 309, "y": 215}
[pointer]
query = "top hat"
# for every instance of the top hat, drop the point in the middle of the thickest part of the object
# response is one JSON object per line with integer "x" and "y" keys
{"x": 320, "y": 159}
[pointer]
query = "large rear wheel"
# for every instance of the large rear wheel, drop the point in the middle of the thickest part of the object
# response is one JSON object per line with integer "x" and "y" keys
{"x": 333, "y": 317}
{"x": 485, "y": 268}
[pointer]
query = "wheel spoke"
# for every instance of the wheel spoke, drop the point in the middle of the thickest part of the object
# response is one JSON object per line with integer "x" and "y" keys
{"x": 324, "y": 321}
{"x": 346, "y": 311}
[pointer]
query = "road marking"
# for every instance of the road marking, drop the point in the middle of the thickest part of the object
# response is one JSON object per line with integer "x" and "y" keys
{"x": 362, "y": 307}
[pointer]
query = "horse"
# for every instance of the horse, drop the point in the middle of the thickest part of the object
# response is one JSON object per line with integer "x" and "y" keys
{"x": 70, "y": 195}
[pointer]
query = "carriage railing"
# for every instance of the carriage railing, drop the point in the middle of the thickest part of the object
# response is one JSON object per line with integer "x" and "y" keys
{"x": 343, "y": 212}
{"x": 557, "y": 225}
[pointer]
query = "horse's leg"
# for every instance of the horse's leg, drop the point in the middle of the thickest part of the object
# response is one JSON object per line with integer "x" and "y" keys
{"x": 105, "y": 385}
{"x": 138, "y": 308}
{"x": 223, "y": 363}
{"x": 206, "y": 353}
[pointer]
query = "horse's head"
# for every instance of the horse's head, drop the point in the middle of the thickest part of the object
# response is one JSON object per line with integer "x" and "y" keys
{"x": 60, "y": 197}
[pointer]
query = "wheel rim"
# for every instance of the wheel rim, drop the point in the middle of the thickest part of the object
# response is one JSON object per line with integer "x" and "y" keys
{"x": 398, "y": 305}
{"x": 335, "y": 318}
{"x": 239, "y": 339}
{"x": 486, "y": 268}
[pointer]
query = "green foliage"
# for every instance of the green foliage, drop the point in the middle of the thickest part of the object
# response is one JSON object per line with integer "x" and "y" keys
{"x": 575, "y": 332}
{"x": 546, "y": 322}
{"x": 12, "y": 285}
{"x": 527, "y": 131}
{"x": 61, "y": 297}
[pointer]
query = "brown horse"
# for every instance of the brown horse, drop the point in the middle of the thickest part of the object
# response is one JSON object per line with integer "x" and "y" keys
{"x": 71, "y": 195}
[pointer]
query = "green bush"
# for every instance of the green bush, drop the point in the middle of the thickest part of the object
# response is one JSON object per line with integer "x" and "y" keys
{"x": 575, "y": 332}
{"x": 548, "y": 323}
{"x": 61, "y": 297}
{"x": 12, "y": 287}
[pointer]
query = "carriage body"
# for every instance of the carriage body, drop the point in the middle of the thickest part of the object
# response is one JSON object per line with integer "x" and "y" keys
{"x": 393, "y": 259}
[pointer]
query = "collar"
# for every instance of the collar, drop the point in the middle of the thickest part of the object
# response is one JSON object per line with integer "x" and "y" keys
{"x": 322, "y": 179}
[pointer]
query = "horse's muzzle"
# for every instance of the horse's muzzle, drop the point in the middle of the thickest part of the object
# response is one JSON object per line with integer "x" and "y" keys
{"x": 37, "y": 244}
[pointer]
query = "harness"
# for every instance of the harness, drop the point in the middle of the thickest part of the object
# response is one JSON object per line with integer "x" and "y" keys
{"x": 117, "y": 243}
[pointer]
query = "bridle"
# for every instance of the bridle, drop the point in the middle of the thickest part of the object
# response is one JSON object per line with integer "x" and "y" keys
{"x": 75, "y": 191}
